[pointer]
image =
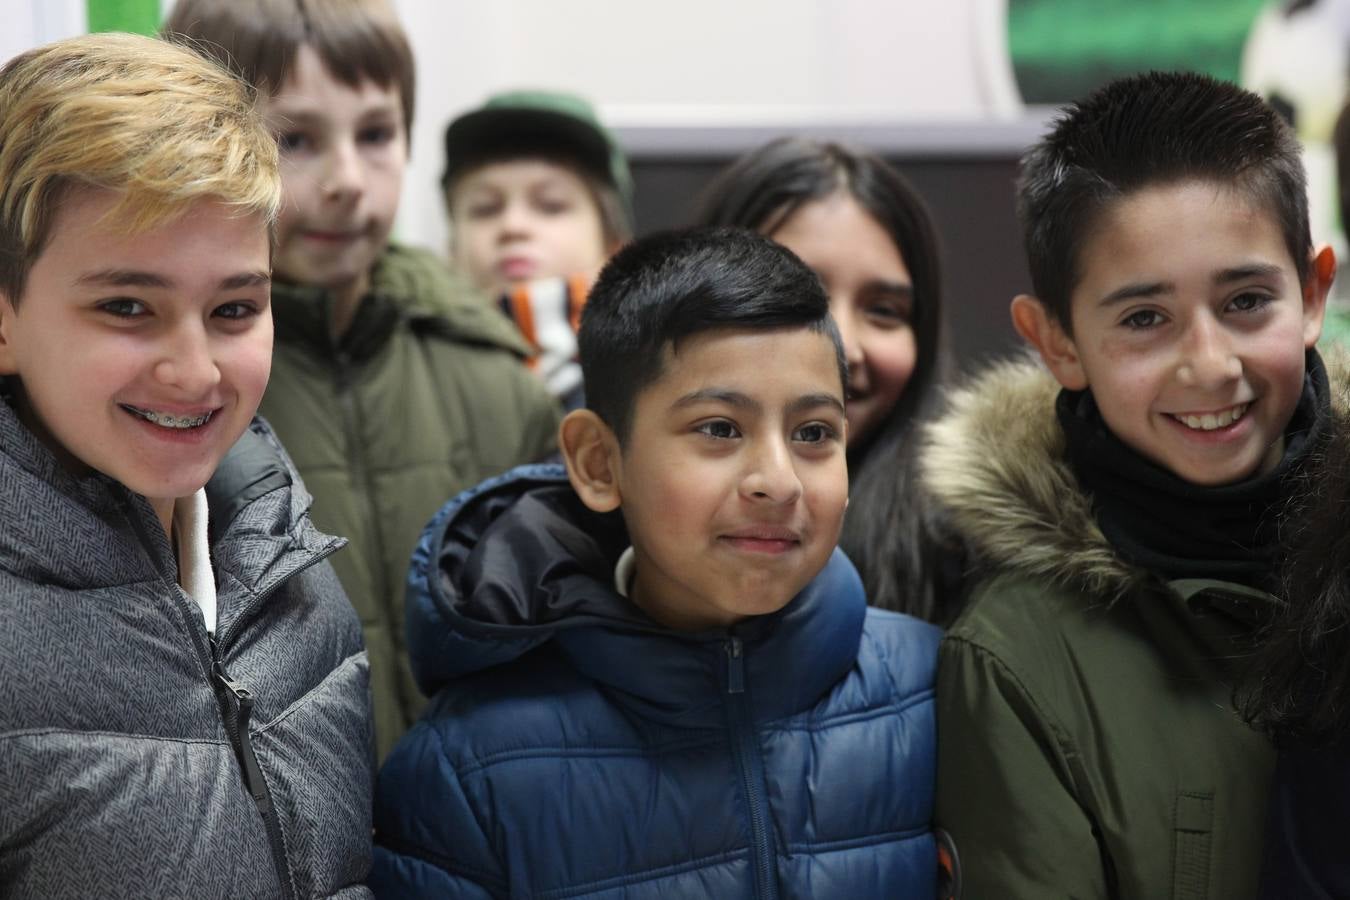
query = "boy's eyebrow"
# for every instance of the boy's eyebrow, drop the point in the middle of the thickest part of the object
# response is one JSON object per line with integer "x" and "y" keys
{"x": 306, "y": 116}
{"x": 815, "y": 401}
{"x": 717, "y": 395}
{"x": 1144, "y": 290}
{"x": 744, "y": 401}
{"x": 1252, "y": 270}
{"x": 136, "y": 278}
{"x": 1137, "y": 291}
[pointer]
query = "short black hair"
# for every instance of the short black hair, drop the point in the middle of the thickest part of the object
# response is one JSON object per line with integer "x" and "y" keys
{"x": 673, "y": 285}
{"x": 1144, "y": 131}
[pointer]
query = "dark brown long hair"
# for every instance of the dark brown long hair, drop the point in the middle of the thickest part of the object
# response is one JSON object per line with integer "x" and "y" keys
{"x": 888, "y": 532}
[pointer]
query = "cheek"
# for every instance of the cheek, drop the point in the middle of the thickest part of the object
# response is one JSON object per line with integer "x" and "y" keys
{"x": 890, "y": 357}
{"x": 250, "y": 365}
{"x": 287, "y": 222}
{"x": 829, "y": 495}
{"x": 384, "y": 186}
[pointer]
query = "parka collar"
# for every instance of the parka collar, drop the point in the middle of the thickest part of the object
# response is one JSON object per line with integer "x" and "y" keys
{"x": 405, "y": 285}
{"x": 996, "y": 463}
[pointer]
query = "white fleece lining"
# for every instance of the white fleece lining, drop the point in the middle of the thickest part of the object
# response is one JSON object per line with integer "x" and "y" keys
{"x": 195, "y": 574}
{"x": 623, "y": 571}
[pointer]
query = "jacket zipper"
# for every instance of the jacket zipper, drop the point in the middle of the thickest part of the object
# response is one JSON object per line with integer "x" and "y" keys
{"x": 236, "y": 704}
{"x": 745, "y": 749}
{"x": 356, "y": 460}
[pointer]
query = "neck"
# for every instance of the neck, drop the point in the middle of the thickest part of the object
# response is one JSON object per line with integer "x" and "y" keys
{"x": 163, "y": 507}
{"x": 671, "y": 615}
{"x": 345, "y": 300}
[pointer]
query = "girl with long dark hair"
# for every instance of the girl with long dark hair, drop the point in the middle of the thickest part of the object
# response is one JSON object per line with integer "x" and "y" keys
{"x": 870, "y": 238}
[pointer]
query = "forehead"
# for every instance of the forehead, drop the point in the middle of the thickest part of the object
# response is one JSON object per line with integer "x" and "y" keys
{"x": 836, "y": 231}
{"x": 526, "y": 172}
{"x": 201, "y": 245}
{"x": 1177, "y": 234}
{"x": 311, "y": 88}
{"x": 772, "y": 367}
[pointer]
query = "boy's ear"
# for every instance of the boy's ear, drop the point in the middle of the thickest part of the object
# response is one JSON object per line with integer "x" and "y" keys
{"x": 591, "y": 452}
{"x": 1321, "y": 273}
{"x": 1043, "y": 331}
{"x": 7, "y": 364}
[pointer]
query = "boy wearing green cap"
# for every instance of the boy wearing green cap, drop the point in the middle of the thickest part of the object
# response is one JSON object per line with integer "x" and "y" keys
{"x": 539, "y": 196}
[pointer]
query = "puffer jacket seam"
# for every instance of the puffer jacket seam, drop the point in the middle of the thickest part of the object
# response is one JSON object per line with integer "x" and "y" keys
{"x": 302, "y": 701}
{"x": 867, "y": 840}
{"x": 127, "y": 735}
{"x": 862, "y": 715}
{"x": 667, "y": 749}
{"x": 441, "y": 861}
{"x": 644, "y": 876}
{"x": 500, "y": 877}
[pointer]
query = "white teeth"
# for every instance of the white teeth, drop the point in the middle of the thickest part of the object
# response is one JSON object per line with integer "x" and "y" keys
{"x": 170, "y": 421}
{"x": 1211, "y": 421}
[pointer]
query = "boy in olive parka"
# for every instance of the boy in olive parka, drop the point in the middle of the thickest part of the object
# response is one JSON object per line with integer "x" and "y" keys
{"x": 394, "y": 386}
{"x": 1126, "y": 504}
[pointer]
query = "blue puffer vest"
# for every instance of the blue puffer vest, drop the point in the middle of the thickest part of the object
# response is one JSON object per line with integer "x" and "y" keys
{"x": 574, "y": 748}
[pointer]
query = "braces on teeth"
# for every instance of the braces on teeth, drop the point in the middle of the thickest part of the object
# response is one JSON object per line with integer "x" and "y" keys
{"x": 168, "y": 421}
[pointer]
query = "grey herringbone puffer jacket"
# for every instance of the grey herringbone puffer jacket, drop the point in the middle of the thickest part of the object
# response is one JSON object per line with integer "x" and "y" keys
{"x": 138, "y": 757}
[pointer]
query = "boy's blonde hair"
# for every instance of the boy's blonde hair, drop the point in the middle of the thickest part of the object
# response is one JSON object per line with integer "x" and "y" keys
{"x": 357, "y": 40}
{"x": 158, "y": 124}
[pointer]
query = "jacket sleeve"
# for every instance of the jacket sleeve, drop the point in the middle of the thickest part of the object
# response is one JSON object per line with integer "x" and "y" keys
{"x": 428, "y": 842}
{"x": 1005, "y": 791}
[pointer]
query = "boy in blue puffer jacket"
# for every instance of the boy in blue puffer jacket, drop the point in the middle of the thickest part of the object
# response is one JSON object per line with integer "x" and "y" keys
{"x": 654, "y": 675}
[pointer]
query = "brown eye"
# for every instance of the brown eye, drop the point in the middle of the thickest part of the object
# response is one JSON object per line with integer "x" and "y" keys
{"x": 719, "y": 428}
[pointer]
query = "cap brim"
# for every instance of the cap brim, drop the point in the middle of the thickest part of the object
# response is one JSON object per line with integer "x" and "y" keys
{"x": 508, "y": 132}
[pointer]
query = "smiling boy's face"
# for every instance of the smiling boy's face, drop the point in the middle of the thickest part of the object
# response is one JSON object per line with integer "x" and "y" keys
{"x": 1190, "y": 326}
{"x": 733, "y": 479}
{"x": 143, "y": 356}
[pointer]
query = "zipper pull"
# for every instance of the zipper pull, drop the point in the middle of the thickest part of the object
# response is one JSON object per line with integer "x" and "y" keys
{"x": 735, "y": 667}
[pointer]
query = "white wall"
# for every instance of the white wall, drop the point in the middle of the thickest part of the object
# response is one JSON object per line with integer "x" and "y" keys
{"x": 663, "y": 64}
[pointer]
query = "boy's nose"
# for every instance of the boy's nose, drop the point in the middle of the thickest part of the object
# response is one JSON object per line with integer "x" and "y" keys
{"x": 343, "y": 175}
{"x": 771, "y": 476}
{"x": 1207, "y": 357}
{"x": 515, "y": 220}
{"x": 188, "y": 364}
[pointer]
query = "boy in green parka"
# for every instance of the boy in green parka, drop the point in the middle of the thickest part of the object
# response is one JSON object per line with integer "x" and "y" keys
{"x": 394, "y": 387}
{"x": 1126, "y": 504}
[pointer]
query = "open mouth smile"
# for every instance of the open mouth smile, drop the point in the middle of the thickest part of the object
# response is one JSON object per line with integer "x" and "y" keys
{"x": 167, "y": 420}
{"x": 1212, "y": 421}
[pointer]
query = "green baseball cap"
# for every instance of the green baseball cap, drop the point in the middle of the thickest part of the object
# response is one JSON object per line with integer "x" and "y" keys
{"x": 515, "y": 123}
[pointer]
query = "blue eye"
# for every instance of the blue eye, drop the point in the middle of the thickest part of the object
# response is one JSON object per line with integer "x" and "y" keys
{"x": 718, "y": 428}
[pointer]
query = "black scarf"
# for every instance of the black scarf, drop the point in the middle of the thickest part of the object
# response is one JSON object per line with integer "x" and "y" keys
{"x": 1161, "y": 523}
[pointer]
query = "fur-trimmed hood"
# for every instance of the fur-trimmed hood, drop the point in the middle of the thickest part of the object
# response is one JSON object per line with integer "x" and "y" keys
{"x": 996, "y": 464}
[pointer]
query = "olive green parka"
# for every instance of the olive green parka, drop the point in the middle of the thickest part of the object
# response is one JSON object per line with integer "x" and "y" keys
{"x": 1087, "y": 743}
{"x": 424, "y": 395}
